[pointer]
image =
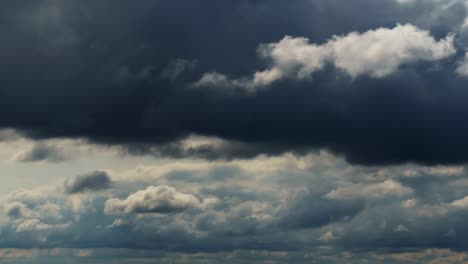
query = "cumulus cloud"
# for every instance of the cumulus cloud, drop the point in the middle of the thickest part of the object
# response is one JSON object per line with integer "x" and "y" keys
{"x": 154, "y": 199}
{"x": 93, "y": 181}
{"x": 376, "y": 53}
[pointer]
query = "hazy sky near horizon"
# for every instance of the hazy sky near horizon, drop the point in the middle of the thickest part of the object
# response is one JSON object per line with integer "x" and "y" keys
{"x": 248, "y": 131}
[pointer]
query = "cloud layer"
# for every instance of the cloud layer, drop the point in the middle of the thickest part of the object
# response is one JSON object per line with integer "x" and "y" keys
{"x": 287, "y": 203}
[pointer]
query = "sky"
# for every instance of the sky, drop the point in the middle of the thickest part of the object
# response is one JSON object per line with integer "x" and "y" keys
{"x": 247, "y": 131}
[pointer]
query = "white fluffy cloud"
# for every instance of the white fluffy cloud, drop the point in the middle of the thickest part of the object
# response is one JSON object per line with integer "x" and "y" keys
{"x": 154, "y": 199}
{"x": 376, "y": 53}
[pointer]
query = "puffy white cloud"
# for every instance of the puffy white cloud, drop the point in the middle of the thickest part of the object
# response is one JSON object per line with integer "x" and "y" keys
{"x": 154, "y": 199}
{"x": 380, "y": 52}
{"x": 375, "y": 53}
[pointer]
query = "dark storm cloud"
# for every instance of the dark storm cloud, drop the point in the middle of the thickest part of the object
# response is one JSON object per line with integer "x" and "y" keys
{"x": 118, "y": 72}
{"x": 93, "y": 181}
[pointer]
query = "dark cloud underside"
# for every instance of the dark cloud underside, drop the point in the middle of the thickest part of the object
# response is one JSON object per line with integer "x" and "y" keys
{"x": 117, "y": 72}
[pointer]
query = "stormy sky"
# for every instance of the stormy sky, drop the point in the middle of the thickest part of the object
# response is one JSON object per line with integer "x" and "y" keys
{"x": 246, "y": 131}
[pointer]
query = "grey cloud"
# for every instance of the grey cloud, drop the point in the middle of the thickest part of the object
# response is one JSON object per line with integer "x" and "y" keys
{"x": 42, "y": 152}
{"x": 248, "y": 218}
{"x": 8, "y": 135}
{"x": 17, "y": 210}
{"x": 307, "y": 209}
{"x": 93, "y": 181}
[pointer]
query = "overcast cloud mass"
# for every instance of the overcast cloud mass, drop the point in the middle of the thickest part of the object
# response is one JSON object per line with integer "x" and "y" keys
{"x": 247, "y": 131}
